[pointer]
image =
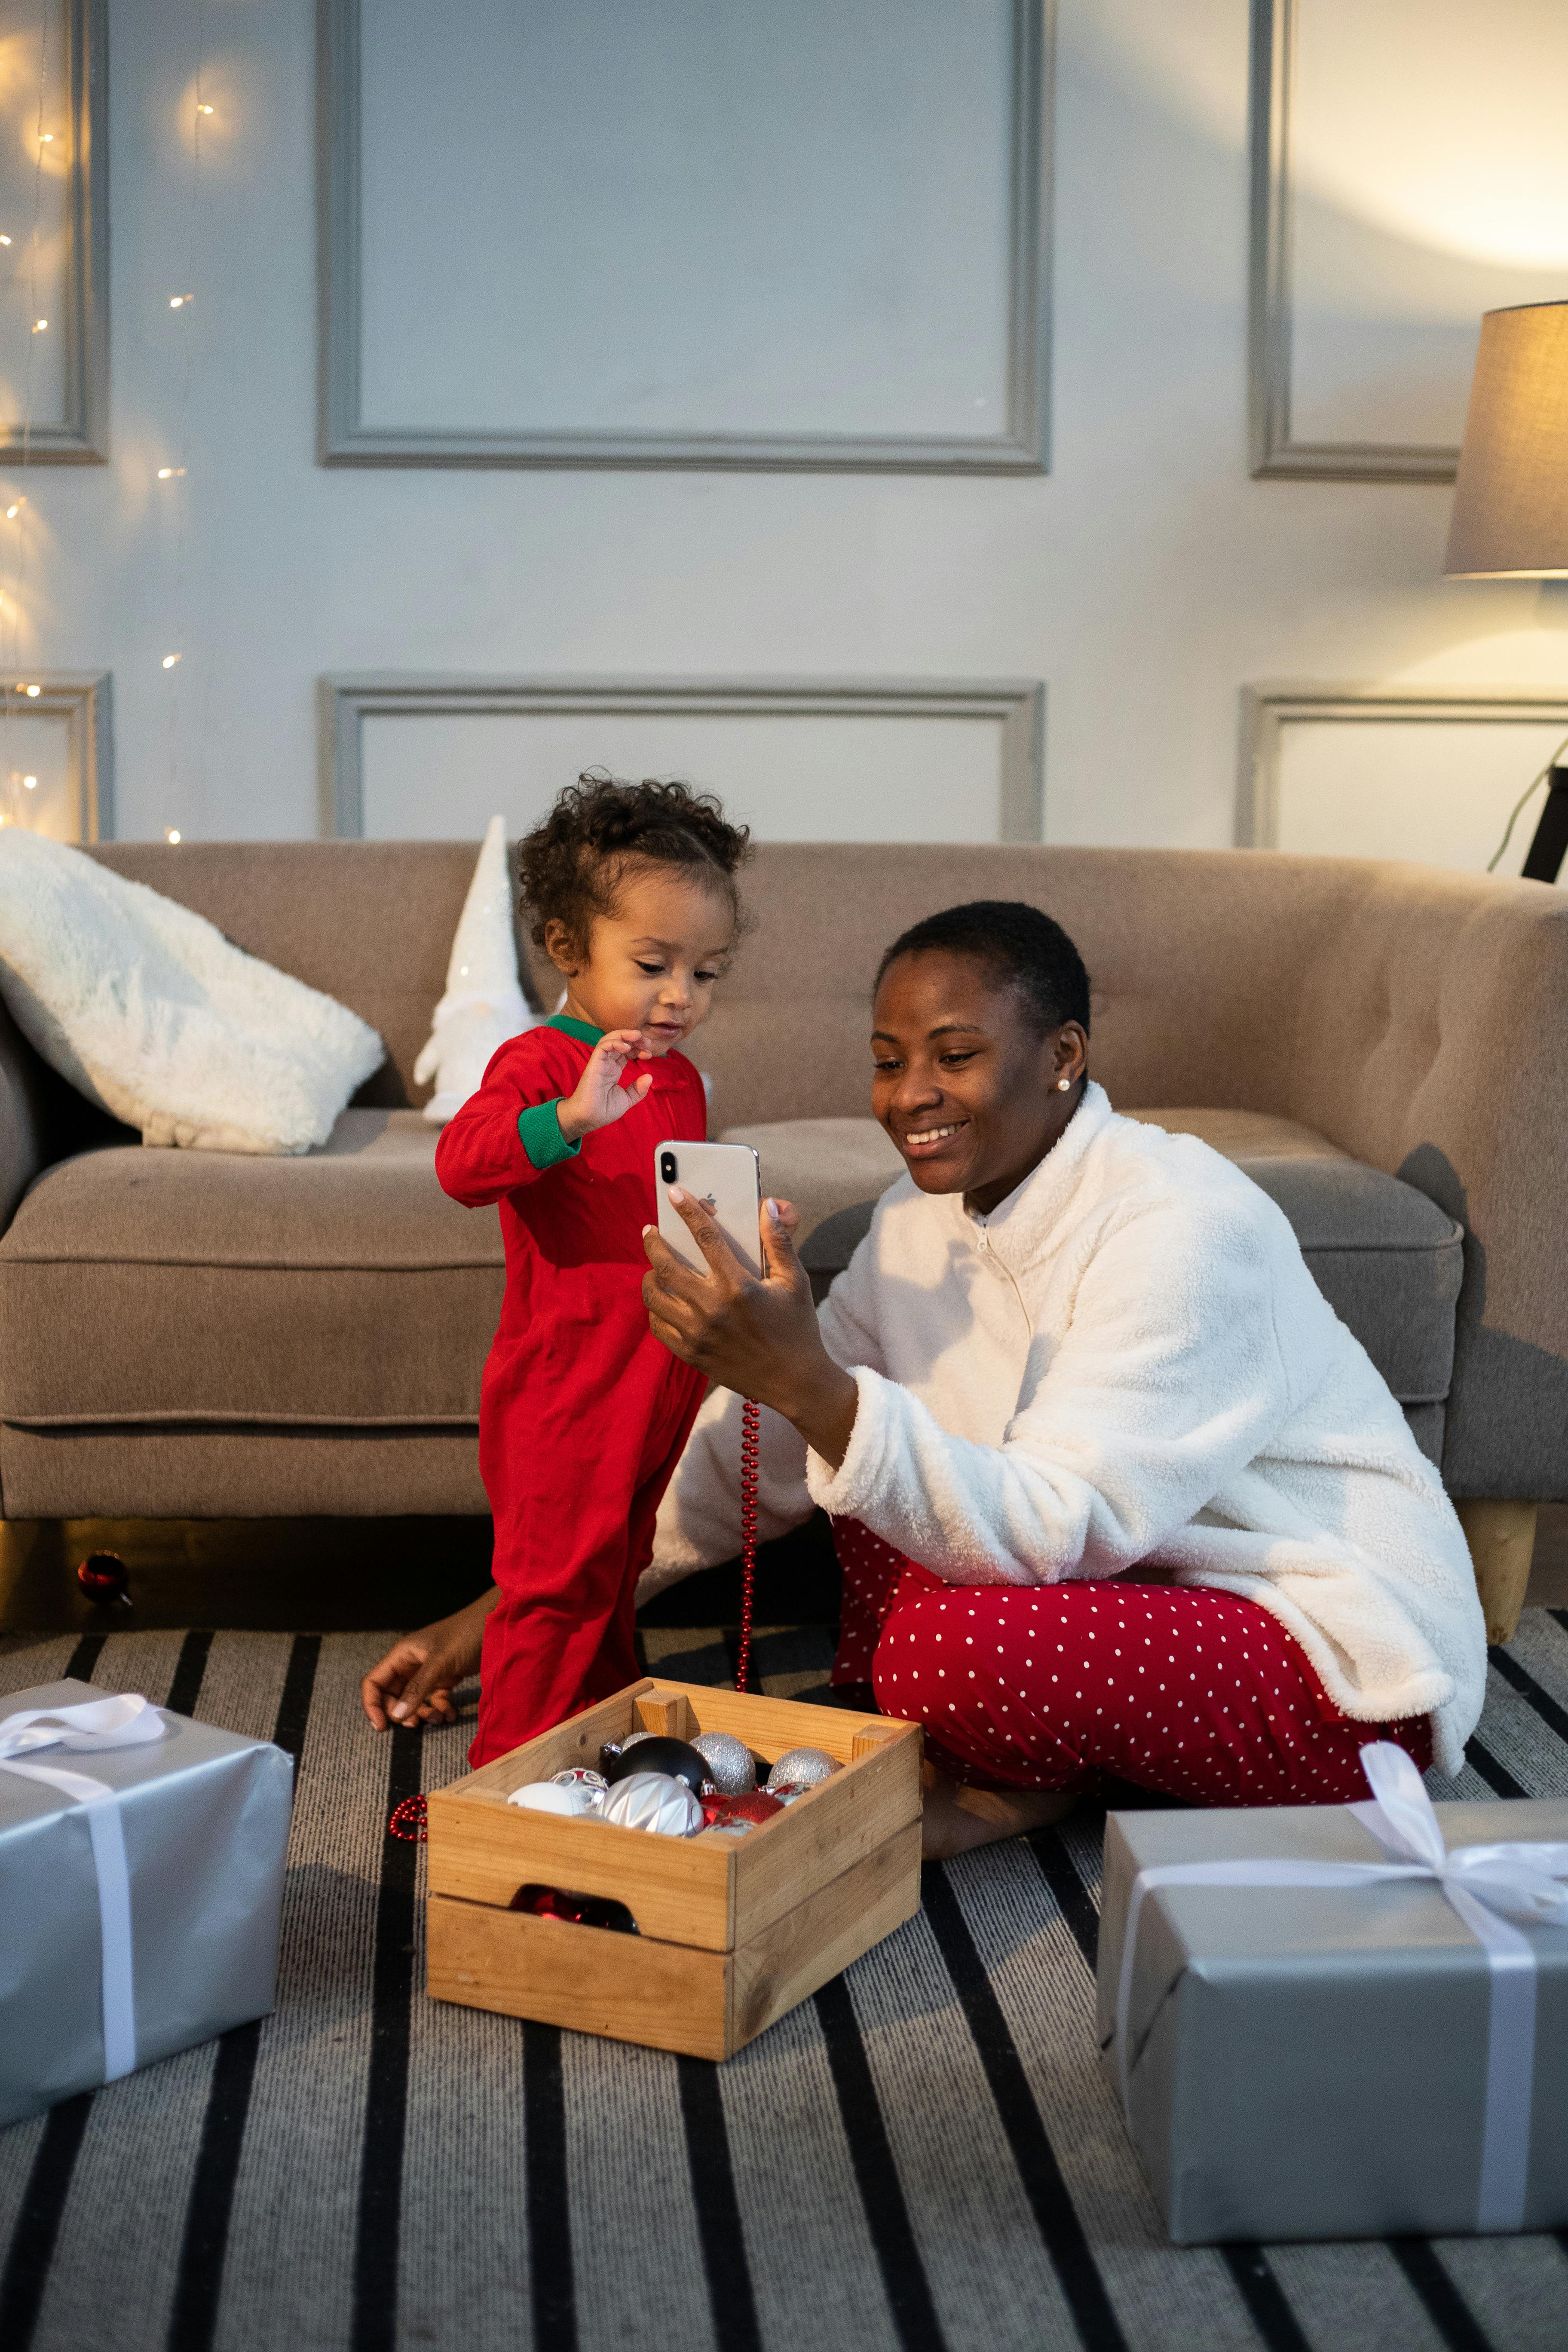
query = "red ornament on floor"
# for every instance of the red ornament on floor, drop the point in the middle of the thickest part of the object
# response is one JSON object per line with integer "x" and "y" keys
{"x": 102, "y": 1576}
{"x": 408, "y": 1821}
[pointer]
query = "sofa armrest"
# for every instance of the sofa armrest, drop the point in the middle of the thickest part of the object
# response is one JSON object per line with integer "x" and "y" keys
{"x": 1432, "y": 1043}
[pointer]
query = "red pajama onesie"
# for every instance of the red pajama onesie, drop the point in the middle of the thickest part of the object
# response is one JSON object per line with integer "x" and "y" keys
{"x": 583, "y": 1413}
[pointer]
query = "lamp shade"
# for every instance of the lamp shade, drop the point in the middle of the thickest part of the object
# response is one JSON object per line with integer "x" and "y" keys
{"x": 1511, "y": 503}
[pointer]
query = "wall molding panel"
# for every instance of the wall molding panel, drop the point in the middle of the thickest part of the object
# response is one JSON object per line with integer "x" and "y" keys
{"x": 1019, "y": 446}
{"x": 79, "y": 434}
{"x": 81, "y": 702}
{"x": 1275, "y": 451}
{"x": 1016, "y": 705}
{"x": 1266, "y": 710}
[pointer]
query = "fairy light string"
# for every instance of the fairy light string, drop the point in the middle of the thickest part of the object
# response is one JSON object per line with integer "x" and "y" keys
{"x": 16, "y": 511}
{"x": 183, "y": 304}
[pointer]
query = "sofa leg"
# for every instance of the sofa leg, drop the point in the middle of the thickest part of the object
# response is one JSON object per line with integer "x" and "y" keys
{"x": 1502, "y": 1537}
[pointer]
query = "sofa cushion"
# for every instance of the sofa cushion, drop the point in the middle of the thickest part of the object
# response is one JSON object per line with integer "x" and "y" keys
{"x": 339, "y": 1289}
{"x": 821, "y": 1164}
{"x": 1387, "y": 1259}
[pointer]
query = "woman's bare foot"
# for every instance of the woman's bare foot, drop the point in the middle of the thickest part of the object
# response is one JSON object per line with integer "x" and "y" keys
{"x": 956, "y": 1818}
{"x": 414, "y": 1682}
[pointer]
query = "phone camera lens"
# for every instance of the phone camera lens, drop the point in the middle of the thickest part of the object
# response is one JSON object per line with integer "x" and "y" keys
{"x": 667, "y": 1166}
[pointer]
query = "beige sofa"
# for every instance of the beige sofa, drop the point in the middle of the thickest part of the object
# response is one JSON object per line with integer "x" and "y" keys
{"x": 1384, "y": 1048}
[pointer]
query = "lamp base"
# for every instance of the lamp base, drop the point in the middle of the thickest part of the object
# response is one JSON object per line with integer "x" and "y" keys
{"x": 1544, "y": 861}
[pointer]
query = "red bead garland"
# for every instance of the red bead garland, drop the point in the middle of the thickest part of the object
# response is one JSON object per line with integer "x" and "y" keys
{"x": 751, "y": 1450}
{"x": 408, "y": 1821}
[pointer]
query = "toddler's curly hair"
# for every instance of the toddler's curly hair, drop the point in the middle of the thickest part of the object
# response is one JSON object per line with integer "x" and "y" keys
{"x": 572, "y": 863}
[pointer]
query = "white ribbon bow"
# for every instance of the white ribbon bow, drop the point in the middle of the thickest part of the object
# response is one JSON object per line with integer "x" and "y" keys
{"x": 127, "y": 1721}
{"x": 1518, "y": 1881}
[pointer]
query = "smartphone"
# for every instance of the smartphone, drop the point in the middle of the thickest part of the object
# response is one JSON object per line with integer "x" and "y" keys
{"x": 726, "y": 1178}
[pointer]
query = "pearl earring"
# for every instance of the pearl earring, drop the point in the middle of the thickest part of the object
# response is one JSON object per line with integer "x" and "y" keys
{"x": 1062, "y": 1085}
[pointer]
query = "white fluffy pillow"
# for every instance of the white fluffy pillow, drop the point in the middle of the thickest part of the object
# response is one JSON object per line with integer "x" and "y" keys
{"x": 152, "y": 1014}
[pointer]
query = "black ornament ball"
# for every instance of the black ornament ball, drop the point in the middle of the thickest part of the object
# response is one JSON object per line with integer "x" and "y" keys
{"x": 102, "y": 1577}
{"x": 659, "y": 1753}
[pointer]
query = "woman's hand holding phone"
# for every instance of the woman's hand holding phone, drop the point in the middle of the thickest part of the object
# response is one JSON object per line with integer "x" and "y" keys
{"x": 598, "y": 1099}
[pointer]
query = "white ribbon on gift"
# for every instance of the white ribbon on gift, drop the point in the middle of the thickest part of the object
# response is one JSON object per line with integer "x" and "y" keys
{"x": 1519, "y": 1880}
{"x": 126, "y": 1721}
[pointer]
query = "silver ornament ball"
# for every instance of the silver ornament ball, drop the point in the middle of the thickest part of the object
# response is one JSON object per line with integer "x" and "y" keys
{"x": 803, "y": 1768}
{"x": 551, "y": 1797}
{"x": 652, "y": 1800}
{"x": 731, "y": 1767}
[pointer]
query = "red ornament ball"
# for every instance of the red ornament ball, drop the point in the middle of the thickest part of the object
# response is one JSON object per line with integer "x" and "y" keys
{"x": 756, "y": 1806}
{"x": 102, "y": 1577}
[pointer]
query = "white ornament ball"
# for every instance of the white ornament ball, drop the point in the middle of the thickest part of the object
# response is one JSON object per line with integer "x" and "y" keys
{"x": 731, "y": 1767}
{"x": 550, "y": 1797}
{"x": 652, "y": 1800}
{"x": 803, "y": 1768}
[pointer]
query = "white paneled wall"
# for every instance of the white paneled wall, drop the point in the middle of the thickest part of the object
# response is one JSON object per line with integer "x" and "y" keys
{"x": 795, "y": 779}
{"x": 684, "y": 218}
{"x": 1430, "y": 183}
{"x": 1145, "y": 579}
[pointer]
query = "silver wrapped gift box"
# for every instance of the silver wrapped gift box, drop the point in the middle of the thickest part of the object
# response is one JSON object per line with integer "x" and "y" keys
{"x": 140, "y": 1921}
{"x": 1363, "y": 2058}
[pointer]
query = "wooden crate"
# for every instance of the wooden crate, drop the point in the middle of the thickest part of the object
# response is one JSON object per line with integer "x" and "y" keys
{"x": 733, "y": 1930}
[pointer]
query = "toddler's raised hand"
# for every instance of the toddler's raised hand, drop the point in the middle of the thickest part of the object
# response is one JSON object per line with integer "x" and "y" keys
{"x": 599, "y": 1099}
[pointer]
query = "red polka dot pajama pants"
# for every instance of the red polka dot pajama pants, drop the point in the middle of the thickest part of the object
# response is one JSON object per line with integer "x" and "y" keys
{"x": 1200, "y": 1695}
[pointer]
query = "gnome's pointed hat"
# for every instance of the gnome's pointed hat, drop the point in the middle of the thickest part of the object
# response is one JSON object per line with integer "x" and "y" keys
{"x": 484, "y": 1004}
{"x": 484, "y": 946}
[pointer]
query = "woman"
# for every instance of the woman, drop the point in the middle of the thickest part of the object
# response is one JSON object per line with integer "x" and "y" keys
{"x": 1114, "y": 1489}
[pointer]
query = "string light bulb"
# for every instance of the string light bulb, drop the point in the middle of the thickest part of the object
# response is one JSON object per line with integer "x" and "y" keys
{"x": 46, "y": 138}
{"x": 169, "y": 661}
{"x": 38, "y": 326}
{"x": 4, "y": 240}
{"x": 32, "y": 692}
{"x": 172, "y": 833}
{"x": 203, "y": 109}
{"x": 30, "y": 783}
{"x": 12, "y": 510}
{"x": 178, "y": 301}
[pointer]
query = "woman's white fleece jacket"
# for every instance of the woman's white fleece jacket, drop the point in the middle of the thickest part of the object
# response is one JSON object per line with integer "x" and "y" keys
{"x": 1127, "y": 1363}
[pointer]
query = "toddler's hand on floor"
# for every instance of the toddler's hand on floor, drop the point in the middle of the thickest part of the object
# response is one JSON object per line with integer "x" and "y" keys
{"x": 599, "y": 1098}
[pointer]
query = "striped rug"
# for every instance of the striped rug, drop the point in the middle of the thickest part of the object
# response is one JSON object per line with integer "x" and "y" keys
{"x": 922, "y": 2157}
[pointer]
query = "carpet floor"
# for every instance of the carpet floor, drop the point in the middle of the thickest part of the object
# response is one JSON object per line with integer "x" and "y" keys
{"x": 924, "y": 2156}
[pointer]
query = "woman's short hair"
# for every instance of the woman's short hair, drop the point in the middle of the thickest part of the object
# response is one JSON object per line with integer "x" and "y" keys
{"x": 1019, "y": 945}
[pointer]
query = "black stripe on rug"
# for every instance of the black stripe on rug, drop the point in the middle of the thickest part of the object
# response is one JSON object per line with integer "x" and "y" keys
{"x": 553, "y": 2292}
{"x": 718, "y": 2208}
{"x": 1265, "y": 2299}
{"x": 1073, "y": 1899}
{"x": 1553, "y": 1716}
{"x": 85, "y": 1657}
{"x": 904, "y": 2280}
{"x": 1445, "y": 2307}
{"x": 1496, "y": 1775}
{"x": 1056, "y": 2216}
{"x": 185, "y": 1687}
{"x": 198, "y": 2281}
{"x": 48, "y": 2184}
{"x": 38, "y": 2221}
{"x": 386, "y": 2089}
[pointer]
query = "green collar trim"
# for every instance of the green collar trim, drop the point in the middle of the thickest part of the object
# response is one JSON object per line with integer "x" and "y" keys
{"x": 570, "y": 1028}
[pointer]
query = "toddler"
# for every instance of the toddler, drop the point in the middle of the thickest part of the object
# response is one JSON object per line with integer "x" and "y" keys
{"x": 630, "y": 891}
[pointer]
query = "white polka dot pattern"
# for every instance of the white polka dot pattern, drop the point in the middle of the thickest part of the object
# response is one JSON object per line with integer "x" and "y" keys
{"x": 1199, "y": 1695}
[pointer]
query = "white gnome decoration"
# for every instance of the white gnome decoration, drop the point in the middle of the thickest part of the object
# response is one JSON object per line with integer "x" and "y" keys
{"x": 483, "y": 1005}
